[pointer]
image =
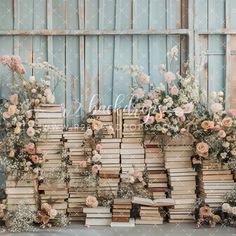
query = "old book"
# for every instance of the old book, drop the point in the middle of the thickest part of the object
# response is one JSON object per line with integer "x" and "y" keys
{"x": 155, "y": 202}
{"x": 131, "y": 223}
{"x": 101, "y": 210}
{"x": 98, "y": 221}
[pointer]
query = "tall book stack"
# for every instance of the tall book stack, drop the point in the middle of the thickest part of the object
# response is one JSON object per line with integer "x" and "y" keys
{"x": 109, "y": 175}
{"x": 73, "y": 140}
{"x": 53, "y": 189}
{"x": 214, "y": 183}
{"x": 156, "y": 172}
{"x": 98, "y": 216}
{"x": 132, "y": 151}
{"x": 182, "y": 182}
{"x": 21, "y": 190}
{"x": 121, "y": 212}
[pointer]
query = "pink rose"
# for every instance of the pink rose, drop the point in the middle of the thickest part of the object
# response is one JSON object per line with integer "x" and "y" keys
{"x": 14, "y": 99}
{"x": 35, "y": 159}
{"x": 150, "y": 95}
{"x": 183, "y": 118}
{"x": 96, "y": 168}
{"x": 30, "y": 148}
{"x": 29, "y": 114}
{"x": 139, "y": 93}
{"x": 188, "y": 107}
{"x": 232, "y": 112}
{"x": 91, "y": 201}
{"x": 162, "y": 68}
{"x": 183, "y": 130}
{"x": 202, "y": 149}
{"x": 169, "y": 77}
{"x": 46, "y": 207}
{"x": 216, "y": 128}
{"x": 148, "y": 120}
{"x": 227, "y": 122}
{"x": 144, "y": 79}
{"x": 30, "y": 131}
{"x": 174, "y": 90}
{"x": 83, "y": 164}
{"x": 98, "y": 147}
{"x": 179, "y": 112}
{"x": 222, "y": 134}
{"x": 6, "y": 115}
{"x": 5, "y": 60}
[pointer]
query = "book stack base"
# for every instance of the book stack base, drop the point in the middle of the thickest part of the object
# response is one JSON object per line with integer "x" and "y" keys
{"x": 181, "y": 181}
{"x": 97, "y": 216}
{"x": 21, "y": 190}
{"x": 214, "y": 183}
{"x": 121, "y": 212}
{"x": 149, "y": 216}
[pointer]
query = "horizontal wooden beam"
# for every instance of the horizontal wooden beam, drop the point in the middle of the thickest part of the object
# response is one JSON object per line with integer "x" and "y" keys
{"x": 219, "y": 32}
{"x": 93, "y": 32}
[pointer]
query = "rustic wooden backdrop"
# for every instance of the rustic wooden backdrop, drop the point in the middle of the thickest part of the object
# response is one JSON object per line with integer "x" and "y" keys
{"x": 87, "y": 39}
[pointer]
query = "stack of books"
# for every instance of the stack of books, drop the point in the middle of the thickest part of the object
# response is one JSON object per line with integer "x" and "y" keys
{"x": 150, "y": 210}
{"x": 121, "y": 212}
{"x": 21, "y": 191}
{"x": 109, "y": 175}
{"x": 73, "y": 140}
{"x": 155, "y": 167}
{"x": 98, "y": 216}
{"x": 149, "y": 216}
{"x": 53, "y": 186}
{"x": 214, "y": 183}
{"x": 106, "y": 117}
{"x": 182, "y": 182}
{"x": 132, "y": 151}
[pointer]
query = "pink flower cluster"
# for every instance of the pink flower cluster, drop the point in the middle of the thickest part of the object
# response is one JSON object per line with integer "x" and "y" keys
{"x": 13, "y": 62}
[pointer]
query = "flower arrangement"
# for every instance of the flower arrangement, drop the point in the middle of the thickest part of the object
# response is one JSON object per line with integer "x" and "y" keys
{"x": 169, "y": 107}
{"x": 47, "y": 213}
{"x": 215, "y": 133}
{"x": 19, "y": 131}
{"x": 229, "y": 208}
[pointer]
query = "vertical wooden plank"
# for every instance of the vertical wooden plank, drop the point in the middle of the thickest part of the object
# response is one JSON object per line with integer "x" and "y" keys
{"x": 72, "y": 65}
{"x": 216, "y": 63}
{"x": 172, "y": 22}
{"x": 106, "y": 45}
{"x": 232, "y": 12}
{"x": 72, "y": 15}
{"x": 157, "y": 43}
{"x": 141, "y": 43}
{"x": 122, "y": 54}
{"x": 232, "y": 78}
{"x": 183, "y": 47}
{"x": 81, "y": 98}
{"x": 216, "y": 14}
{"x": 6, "y": 15}
{"x": 58, "y": 14}
{"x": 91, "y": 55}
{"x": 39, "y": 42}
{"x": 72, "y": 83}
{"x": 26, "y": 23}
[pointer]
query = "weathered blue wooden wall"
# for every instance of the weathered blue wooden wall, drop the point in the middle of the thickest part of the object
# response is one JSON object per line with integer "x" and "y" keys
{"x": 87, "y": 39}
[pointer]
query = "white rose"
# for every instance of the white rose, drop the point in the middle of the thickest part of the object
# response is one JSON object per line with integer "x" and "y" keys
{"x": 216, "y": 107}
{"x": 32, "y": 79}
{"x": 221, "y": 94}
{"x": 233, "y": 210}
{"x": 225, "y": 207}
{"x": 225, "y": 144}
{"x": 53, "y": 213}
{"x": 96, "y": 157}
{"x": 213, "y": 95}
{"x": 51, "y": 98}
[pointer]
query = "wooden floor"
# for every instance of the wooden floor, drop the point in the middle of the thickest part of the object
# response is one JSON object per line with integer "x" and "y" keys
{"x": 162, "y": 230}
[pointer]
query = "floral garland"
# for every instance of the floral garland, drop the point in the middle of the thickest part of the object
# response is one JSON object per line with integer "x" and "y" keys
{"x": 168, "y": 108}
{"x": 215, "y": 133}
{"x": 178, "y": 107}
{"x": 17, "y": 119}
